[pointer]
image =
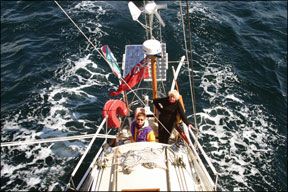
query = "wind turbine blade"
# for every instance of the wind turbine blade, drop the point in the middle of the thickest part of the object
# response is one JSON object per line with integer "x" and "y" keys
{"x": 162, "y": 6}
{"x": 134, "y": 10}
{"x": 160, "y": 19}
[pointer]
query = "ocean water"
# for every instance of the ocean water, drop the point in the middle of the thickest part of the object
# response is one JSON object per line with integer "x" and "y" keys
{"x": 54, "y": 84}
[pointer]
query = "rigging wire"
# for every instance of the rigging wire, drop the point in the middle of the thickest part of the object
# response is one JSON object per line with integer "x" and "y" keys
{"x": 50, "y": 140}
{"x": 191, "y": 77}
{"x": 97, "y": 49}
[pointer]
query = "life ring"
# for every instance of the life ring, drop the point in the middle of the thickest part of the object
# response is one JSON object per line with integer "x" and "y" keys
{"x": 113, "y": 108}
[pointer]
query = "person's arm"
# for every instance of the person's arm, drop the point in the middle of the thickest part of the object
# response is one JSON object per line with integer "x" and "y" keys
{"x": 158, "y": 103}
{"x": 151, "y": 136}
{"x": 184, "y": 117}
{"x": 131, "y": 139}
{"x": 132, "y": 130}
{"x": 182, "y": 114}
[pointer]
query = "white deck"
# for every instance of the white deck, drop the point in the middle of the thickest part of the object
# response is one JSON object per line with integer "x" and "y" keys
{"x": 161, "y": 177}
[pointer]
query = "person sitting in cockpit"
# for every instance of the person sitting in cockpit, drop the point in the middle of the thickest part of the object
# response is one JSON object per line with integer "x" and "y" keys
{"x": 140, "y": 129}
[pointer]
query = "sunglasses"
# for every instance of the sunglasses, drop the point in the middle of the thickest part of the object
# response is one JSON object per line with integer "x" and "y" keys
{"x": 140, "y": 119}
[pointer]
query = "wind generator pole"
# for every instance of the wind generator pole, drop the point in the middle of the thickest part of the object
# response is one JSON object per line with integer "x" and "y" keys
{"x": 152, "y": 48}
{"x": 154, "y": 75}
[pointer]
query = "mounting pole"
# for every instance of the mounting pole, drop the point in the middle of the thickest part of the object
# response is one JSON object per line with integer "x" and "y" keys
{"x": 152, "y": 48}
{"x": 154, "y": 75}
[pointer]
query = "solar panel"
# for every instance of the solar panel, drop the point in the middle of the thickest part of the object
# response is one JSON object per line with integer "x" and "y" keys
{"x": 134, "y": 54}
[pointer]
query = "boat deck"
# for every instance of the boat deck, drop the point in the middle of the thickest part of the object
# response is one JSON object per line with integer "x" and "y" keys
{"x": 158, "y": 169}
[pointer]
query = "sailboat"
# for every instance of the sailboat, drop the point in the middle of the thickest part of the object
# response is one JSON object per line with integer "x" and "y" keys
{"x": 123, "y": 165}
{"x": 118, "y": 163}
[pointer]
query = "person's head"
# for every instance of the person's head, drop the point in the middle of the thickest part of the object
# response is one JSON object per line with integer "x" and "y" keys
{"x": 139, "y": 109}
{"x": 173, "y": 96}
{"x": 140, "y": 118}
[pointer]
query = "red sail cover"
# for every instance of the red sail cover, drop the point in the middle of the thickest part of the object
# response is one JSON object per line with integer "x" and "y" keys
{"x": 137, "y": 73}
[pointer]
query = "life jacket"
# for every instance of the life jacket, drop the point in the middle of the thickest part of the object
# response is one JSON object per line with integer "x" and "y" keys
{"x": 142, "y": 136}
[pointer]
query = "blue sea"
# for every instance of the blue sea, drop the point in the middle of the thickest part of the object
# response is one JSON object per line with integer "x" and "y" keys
{"x": 54, "y": 84}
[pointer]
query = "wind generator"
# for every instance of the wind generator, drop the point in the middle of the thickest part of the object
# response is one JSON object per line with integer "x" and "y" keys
{"x": 151, "y": 8}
